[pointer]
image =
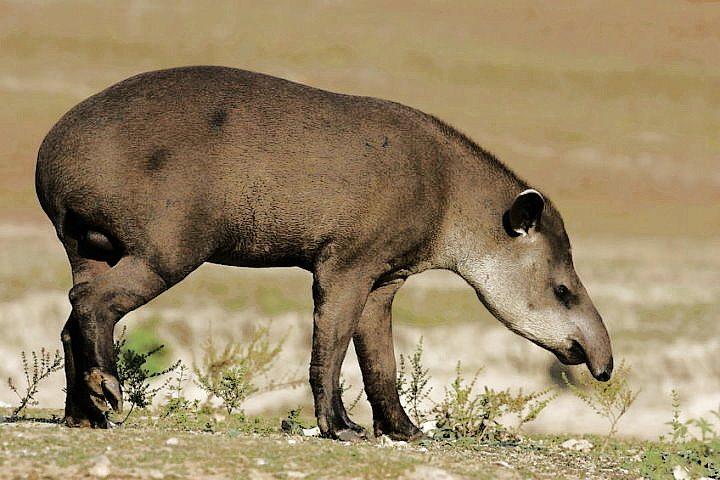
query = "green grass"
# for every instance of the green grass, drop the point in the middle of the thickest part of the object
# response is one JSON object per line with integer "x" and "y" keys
{"x": 237, "y": 448}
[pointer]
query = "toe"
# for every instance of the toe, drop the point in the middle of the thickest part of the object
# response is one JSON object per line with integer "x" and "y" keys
{"x": 104, "y": 389}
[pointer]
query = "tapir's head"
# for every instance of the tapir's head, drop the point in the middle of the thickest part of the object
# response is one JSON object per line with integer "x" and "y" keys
{"x": 525, "y": 276}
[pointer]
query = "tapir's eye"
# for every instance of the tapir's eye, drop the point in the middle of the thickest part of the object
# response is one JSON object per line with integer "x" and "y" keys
{"x": 564, "y": 295}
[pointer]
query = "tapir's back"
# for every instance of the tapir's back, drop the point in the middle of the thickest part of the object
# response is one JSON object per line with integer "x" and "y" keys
{"x": 243, "y": 160}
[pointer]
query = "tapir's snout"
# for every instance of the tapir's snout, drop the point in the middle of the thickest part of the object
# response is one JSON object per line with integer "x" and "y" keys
{"x": 590, "y": 345}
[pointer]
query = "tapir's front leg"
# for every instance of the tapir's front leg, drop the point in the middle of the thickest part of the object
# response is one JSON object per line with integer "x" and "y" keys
{"x": 374, "y": 347}
{"x": 339, "y": 299}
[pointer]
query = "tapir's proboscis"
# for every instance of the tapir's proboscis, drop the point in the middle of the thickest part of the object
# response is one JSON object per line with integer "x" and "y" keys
{"x": 160, "y": 173}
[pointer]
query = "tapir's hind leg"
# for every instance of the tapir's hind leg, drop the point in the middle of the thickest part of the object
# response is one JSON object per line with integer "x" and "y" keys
{"x": 374, "y": 346}
{"x": 76, "y": 411}
{"x": 339, "y": 296}
{"x": 97, "y": 305}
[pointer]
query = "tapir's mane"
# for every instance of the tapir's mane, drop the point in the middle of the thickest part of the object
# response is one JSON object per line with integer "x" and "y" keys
{"x": 485, "y": 155}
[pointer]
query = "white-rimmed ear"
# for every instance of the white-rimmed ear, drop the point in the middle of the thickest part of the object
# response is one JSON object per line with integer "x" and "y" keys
{"x": 525, "y": 212}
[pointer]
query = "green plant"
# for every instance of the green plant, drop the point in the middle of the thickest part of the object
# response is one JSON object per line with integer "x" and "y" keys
{"x": 694, "y": 447}
{"x": 37, "y": 370}
{"x": 466, "y": 415}
{"x": 611, "y": 399}
{"x": 412, "y": 385}
{"x": 292, "y": 423}
{"x": 232, "y": 374}
{"x": 134, "y": 376}
{"x": 176, "y": 406}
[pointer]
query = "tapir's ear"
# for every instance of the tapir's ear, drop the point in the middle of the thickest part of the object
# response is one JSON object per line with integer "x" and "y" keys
{"x": 524, "y": 213}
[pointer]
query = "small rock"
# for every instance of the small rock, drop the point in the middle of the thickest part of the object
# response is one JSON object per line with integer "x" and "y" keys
{"x": 156, "y": 474}
{"x": 311, "y": 432}
{"x": 293, "y": 474}
{"x": 680, "y": 473}
{"x": 385, "y": 442}
{"x": 260, "y": 462}
{"x": 172, "y": 441}
{"x": 101, "y": 467}
{"x": 291, "y": 441}
{"x": 428, "y": 427}
{"x": 424, "y": 472}
{"x": 502, "y": 463}
{"x": 581, "y": 445}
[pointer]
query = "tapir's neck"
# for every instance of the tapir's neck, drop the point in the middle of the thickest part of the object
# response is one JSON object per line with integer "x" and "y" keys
{"x": 480, "y": 190}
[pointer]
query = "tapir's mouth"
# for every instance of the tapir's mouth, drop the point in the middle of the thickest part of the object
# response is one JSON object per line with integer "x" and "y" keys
{"x": 576, "y": 354}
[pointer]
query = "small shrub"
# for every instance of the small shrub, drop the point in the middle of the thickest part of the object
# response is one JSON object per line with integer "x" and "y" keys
{"x": 232, "y": 374}
{"x": 176, "y": 406}
{"x": 465, "y": 415}
{"x": 611, "y": 399}
{"x": 412, "y": 385}
{"x": 694, "y": 446}
{"x": 292, "y": 424}
{"x": 134, "y": 376}
{"x": 35, "y": 370}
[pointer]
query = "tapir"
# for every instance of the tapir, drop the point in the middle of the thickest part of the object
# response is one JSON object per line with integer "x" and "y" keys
{"x": 162, "y": 172}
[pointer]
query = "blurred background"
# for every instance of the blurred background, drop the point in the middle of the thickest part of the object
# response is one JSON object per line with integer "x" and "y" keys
{"x": 611, "y": 108}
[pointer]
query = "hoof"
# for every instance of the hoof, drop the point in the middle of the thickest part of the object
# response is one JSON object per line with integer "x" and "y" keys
{"x": 82, "y": 422}
{"x": 74, "y": 422}
{"x": 104, "y": 390}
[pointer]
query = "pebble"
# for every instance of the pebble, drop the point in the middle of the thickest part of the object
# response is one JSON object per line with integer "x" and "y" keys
{"x": 311, "y": 432}
{"x": 101, "y": 468}
{"x": 428, "y": 427}
{"x": 680, "y": 473}
{"x": 156, "y": 474}
{"x": 424, "y": 472}
{"x": 172, "y": 441}
{"x": 581, "y": 445}
{"x": 291, "y": 441}
{"x": 260, "y": 462}
{"x": 385, "y": 442}
{"x": 503, "y": 463}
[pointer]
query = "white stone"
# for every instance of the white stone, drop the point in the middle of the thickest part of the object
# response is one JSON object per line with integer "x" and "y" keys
{"x": 581, "y": 445}
{"x": 424, "y": 472}
{"x": 428, "y": 427}
{"x": 172, "y": 441}
{"x": 101, "y": 467}
{"x": 260, "y": 462}
{"x": 385, "y": 442}
{"x": 156, "y": 474}
{"x": 311, "y": 432}
{"x": 680, "y": 473}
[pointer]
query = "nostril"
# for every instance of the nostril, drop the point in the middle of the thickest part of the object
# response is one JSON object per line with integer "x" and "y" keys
{"x": 577, "y": 351}
{"x": 604, "y": 376}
